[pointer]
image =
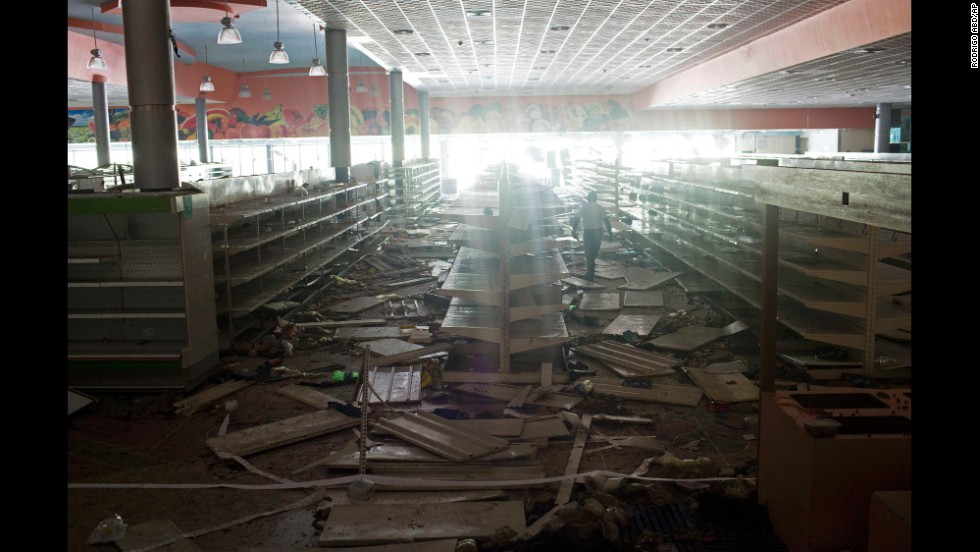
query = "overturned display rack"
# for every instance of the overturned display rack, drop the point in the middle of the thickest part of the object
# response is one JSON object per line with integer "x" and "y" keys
{"x": 844, "y": 257}
{"x": 505, "y": 285}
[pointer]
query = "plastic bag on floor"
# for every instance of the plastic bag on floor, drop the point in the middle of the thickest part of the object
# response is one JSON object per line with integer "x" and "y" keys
{"x": 108, "y": 530}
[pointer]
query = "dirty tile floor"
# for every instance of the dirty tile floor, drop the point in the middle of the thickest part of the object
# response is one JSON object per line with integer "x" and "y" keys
{"x": 131, "y": 454}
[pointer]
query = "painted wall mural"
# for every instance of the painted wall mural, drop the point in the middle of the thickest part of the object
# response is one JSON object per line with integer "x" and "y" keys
{"x": 83, "y": 129}
{"x": 447, "y": 116}
{"x": 552, "y": 114}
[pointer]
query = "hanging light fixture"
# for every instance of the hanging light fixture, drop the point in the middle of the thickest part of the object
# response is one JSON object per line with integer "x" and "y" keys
{"x": 244, "y": 92}
{"x": 316, "y": 70}
{"x": 96, "y": 62}
{"x": 361, "y": 87}
{"x": 374, "y": 91}
{"x": 278, "y": 55}
{"x": 229, "y": 34}
{"x": 266, "y": 95}
{"x": 206, "y": 84}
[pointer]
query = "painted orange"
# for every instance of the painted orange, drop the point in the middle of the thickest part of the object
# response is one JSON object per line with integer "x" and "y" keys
{"x": 79, "y": 46}
{"x": 107, "y": 28}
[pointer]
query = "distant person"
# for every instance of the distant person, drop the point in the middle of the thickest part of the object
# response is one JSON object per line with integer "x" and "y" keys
{"x": 592, "y": 217}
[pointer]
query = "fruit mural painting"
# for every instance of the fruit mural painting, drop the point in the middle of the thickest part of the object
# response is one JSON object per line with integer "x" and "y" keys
{"x": 235, "y": 123}
{"x": 83, "y": 130}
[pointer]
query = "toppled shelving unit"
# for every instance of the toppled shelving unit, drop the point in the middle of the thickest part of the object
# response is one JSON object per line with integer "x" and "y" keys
{"x": 844, "y": 271}
{"x": 266, "y": 246}
{"x": 505, "y": 285}
{"x": 414, "y": 186}
{"x": 141, "y": 311}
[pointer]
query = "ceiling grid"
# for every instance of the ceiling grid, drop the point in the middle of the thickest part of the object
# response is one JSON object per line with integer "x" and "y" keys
{"x": 562, "y": 47}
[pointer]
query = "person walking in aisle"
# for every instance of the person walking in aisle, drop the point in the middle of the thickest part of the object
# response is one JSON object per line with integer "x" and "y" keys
{"x": 592, "y": 217}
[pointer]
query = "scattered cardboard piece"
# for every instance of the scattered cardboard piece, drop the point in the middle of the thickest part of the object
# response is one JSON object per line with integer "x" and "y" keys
{"x": 358, "y": 524}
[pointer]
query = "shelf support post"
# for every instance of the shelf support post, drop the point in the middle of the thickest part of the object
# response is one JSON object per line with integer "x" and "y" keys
{"x": 871, "y": 307}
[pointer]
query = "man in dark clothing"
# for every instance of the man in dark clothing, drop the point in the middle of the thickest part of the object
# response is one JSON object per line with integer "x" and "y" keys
{"x": 592, "y": 217}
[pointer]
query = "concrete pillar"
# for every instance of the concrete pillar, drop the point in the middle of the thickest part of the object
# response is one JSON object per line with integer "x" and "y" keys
{"x": 424, "y": 122}
{"x": 883, "y": 127}
{"x": 338, "y": 93}
{"x": 397, "y": 118}
{"x": 269, "y": 161}
{"x": 150, "y": 78}
{"x": 100, "y": 107}
{"x": 202, "y": 128}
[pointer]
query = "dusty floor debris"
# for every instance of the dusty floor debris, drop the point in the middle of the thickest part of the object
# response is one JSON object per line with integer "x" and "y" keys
{"x": 517, "y": 467}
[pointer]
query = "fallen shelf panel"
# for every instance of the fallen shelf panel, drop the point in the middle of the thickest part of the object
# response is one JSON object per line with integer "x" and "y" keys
{"x": 432, "y": 433}
{"x": 621, "y": 357}
{"x": 599, "y": 301}
{"x": 659, "y": 393}
{"x": 582, "y": 283}
{"x": 394, "y": 385}
{"x": 730, "y": 388}
{"x": 368, "y": 334}
{"x": 264, "y": 437}
{"x": 659, "y": 278}
{"x": 692, "y": 338}
{"x": 640, "y": 324}
{"x": 309, "y": 396}
{"x": 389, "y": 452}
{"x": 634, "y": 298}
